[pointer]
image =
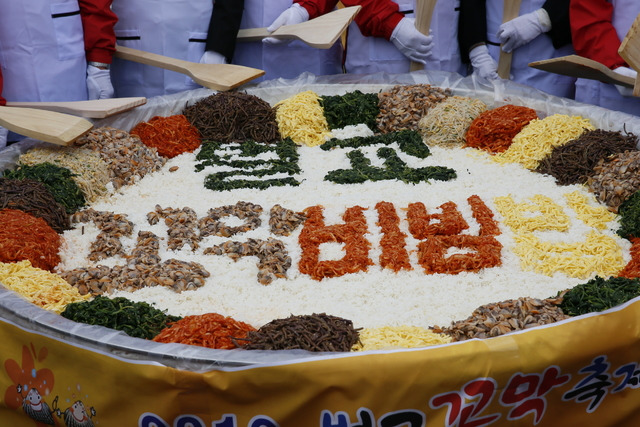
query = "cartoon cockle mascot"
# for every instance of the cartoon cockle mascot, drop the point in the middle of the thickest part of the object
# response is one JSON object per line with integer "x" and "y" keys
{"x": 76, "y": 415}
{"x": 36, "y": 408}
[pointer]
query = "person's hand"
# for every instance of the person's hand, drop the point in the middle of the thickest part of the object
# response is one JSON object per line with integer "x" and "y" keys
{"x": 212, "y": 57}
{"x": 521, "y": 30}
{"x": 483, "y": 64}
{"x": 411, "y": 42}
{"x": 627, "y": 72}
{"x": 99, "y": 83}
{"x": 296, "y": 14}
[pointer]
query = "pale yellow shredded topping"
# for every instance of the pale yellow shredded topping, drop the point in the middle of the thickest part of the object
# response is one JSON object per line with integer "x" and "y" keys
{"x": 542, "y": 214}
{"x": 538, "y": 139}
{"x": 589, "y": 211}
{"x": 40, "y": 287}
{"x": 390, "y": 337}
{"x": 598, "y": 253}
{"x": 301, "y": 118}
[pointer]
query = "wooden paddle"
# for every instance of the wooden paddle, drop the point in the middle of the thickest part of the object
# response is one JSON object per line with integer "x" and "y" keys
{"x": 95, "y": 109}
{"x": 48, "y": 126}
{"x": 214, "y": 76}
{"x": 511, "y": 10}
{"x": 321, "y": 32}
{"x": 630, "y": 51}
{"x": 581, "y": 67}
{"x": 424, "y": 13}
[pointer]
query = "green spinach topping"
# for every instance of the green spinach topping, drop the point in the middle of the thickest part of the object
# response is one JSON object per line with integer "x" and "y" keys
{"x": 351, "y": 109}
{"x": 599, "y": 294}
{"x": 629, "y": 212}
{"x": 56, "y": 179}
{"x": 137, "y": 319}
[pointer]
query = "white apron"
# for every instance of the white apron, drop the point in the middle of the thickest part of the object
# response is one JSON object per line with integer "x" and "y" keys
{"x": 538, "y": 49}
{"x": 606, "y": 95}
{"x": 376, "y": 54}
{"x": 42, "y": 51}
{"x": 286, "y": 60}
{"x": 174, "y": 28}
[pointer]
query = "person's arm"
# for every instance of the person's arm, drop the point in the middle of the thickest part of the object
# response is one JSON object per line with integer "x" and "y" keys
{"x": 224, "y": 26}
{"x": 377, "y": 18}
{"x": 99, "y": 36}
{"x": 98, "y": 21}
{"x": 560, "y": 32}
{"x": 317, "y": 8}
{"x": 592, "y": 32}
{"x": 472, "y": 26}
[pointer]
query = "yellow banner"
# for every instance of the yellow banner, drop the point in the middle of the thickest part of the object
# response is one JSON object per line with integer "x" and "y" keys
{"x": 584, "y": 371}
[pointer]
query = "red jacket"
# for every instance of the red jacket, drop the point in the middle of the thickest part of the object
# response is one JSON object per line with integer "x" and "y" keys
{"x": 377, "y": 18}
{"x": 593, "y": 34}
{"x": 98, "y": 21}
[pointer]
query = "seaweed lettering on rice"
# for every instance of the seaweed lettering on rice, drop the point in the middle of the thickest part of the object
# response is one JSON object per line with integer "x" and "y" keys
{"x": 394, "y": 168}
{"x": 409, "y": 142}
{"x": 286, "y": 158}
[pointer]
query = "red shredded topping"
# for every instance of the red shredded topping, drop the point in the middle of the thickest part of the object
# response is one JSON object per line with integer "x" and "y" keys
{"x": 484, "y": 250}
{"x": 171, "y": 135}
{"x": 632, "y": 269}
{"x": 493, "y": 130}
{"x": 484, "y": 216}
{"x": 26, "y": 237}
{"x": 351, "y": 233}
{"x": 421, "y": 224}
{"x": 210, "y": 330}
{"x": 432, "y": 254}
{"x": 394, "y": 255}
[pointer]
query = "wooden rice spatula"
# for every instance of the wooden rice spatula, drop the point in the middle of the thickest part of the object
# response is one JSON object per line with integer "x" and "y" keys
{"x": 424, "y": 13}
{"x": 48, "y": 126}
{"x": 214, "y": 76}
{"x": 630, "y": 51}
{"x": 581, "y": 67}
{"x": 321, "y": 32}
{"x": 95, "y": 109}
{"x": 511, "y": 10}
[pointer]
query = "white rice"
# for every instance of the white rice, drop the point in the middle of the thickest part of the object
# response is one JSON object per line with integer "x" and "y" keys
{"x": 370, "y": 299}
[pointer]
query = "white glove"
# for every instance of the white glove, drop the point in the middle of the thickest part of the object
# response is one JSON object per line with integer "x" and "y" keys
{"x": 411, "y": 42}
{"x": 3, "y": 137}
{"x": 212, "y": 57}
{"x": 296, "y": 14}
{"x": 99, "y": 83}
{"x": 483, "y": 64}
{"x": 627, "y": 72}
{"x": 523, "y": 29}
